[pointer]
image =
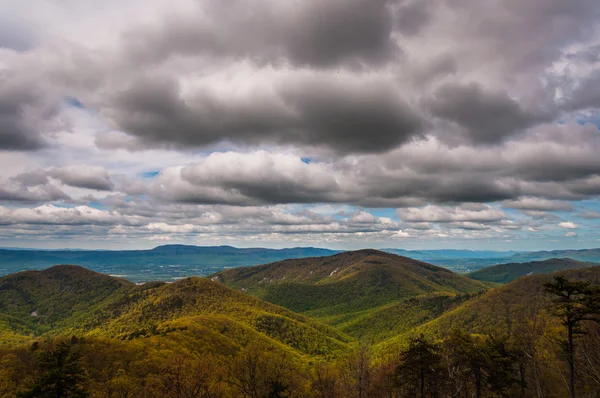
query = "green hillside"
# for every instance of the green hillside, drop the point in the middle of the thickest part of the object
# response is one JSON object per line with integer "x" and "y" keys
{"x": 504, "y": 273}
{"x": 55, "y": 297}
{"x": 350, "y": 288}
{"x": 73, "y": 300}
{"x": 200, "y": 338}
{"x": 503, "y": 311}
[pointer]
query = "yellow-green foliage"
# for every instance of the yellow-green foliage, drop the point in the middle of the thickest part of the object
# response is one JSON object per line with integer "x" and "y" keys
{"x": 349, "y": 288}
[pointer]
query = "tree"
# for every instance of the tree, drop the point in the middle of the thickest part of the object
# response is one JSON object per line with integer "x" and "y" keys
{"x": 186, "y": 377}
{"x": 420, "y": 373}
{"x": 61, "y": 375}
{"x": 258, "y": 371}
{"x": 574, "y": 302}
{"x": 325, "y": 380}
{"x": 483, "y": 362}
{"x": 356, "y": 372}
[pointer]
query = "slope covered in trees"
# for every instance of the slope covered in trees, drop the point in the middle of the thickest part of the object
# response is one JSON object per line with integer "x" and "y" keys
{"x": 443, "y": 336}
{"x": 521, "y": 314}
{"x": 364, "y": 293}
{"x": 70, "y": 299}
{"x": 504, "y": 273}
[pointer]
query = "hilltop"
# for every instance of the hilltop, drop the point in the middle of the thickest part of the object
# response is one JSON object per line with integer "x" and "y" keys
{"x": 347, "y": 290}
{"x": 504, "y": 273}
{"x": 44, "y": 300}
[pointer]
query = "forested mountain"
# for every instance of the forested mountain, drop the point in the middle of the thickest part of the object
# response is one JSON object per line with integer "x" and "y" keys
{"x": 504, "y": 273}
{"x": 364, "y": 293}
{"x": 75, "y": 300}
{"x": 373, "y": 324}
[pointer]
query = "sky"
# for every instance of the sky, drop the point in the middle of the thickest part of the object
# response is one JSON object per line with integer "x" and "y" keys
{"x": 343, "y": 123}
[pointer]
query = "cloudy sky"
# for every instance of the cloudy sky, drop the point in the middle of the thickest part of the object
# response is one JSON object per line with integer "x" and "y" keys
{"x": 340, "y": 123}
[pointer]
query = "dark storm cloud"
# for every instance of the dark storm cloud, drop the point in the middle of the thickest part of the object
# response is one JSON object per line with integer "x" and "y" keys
{"x": 357, "y": 38}
{"x": 412, "y": 16}
{"x": 316, "y": 33}
{"x": 342, "y": 114}
{"x": 488, "y": 117}
{"x": 24, "y": 108}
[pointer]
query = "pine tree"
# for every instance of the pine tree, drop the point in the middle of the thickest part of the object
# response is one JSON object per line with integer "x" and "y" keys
{"x": 574, "y": 302}
{"x": 420, "y": 373}
{"x": 61, "y": 375}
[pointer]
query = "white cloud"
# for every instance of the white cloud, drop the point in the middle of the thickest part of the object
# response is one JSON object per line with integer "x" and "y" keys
{"x": 432, "y": 213}
{"x": 568, "y": 225}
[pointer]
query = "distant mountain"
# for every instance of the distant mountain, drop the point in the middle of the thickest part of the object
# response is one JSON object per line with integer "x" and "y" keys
{"x": 504, "y": 273}
{"x": 587, "y": 255}
{"x": 451, "y": 254}
{"x": 349, "y": 289}
{"x": 168, "y": 263}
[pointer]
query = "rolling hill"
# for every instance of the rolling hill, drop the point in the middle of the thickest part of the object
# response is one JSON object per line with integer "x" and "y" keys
{"x": 347, "y": 290}
{"x": 74, "y": 300}
{"x": 504, "y": 273}
{"x": 504, "y": 311}
{"x": 359, "y": 310}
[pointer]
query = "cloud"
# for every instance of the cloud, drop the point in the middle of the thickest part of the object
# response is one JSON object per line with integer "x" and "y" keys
{"x": 571, "y": 234}
{"x": 83, "y": 176}
{"x": 79, "y": 176}
{"x": 344, "y": 113}
{"x": 11, "y": 192}
{"x": 443, "y": 113}
{"x": 538, "y": 204}
{"x": 314, "y": 33}
{"x": 53, "y": 215}
{"x": 568, "y": 225}
{"x": 464, "y": 213}
{"x": 589, "y": 215}
{"x": 27, "y": 110}
{"x": 487, "y": 117}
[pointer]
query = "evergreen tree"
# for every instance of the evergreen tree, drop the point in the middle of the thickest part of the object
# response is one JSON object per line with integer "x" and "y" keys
{"x": 574, "y": 302}
{"x": 61, "y": 375}
{"x": 420, "y": 373}
{"x": 485, "y": 363}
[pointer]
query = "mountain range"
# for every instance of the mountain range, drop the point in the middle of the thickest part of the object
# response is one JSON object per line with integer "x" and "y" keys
{"x": 304, "y": 321}
{"x": 173, "y": 262}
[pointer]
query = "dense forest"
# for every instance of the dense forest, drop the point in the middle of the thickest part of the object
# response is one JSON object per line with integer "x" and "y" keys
{"x": 408, "y": 329}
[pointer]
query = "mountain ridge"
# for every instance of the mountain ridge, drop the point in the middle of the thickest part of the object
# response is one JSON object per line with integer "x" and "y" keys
{"x": 343, "y": 288}
{"x": 505, "y": 273}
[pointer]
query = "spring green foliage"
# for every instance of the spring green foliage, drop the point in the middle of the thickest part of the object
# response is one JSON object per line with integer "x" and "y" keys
{"x": 425, "y": 332}
{"x": 505, "y": 273}
{"x": 356, "y": 289}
